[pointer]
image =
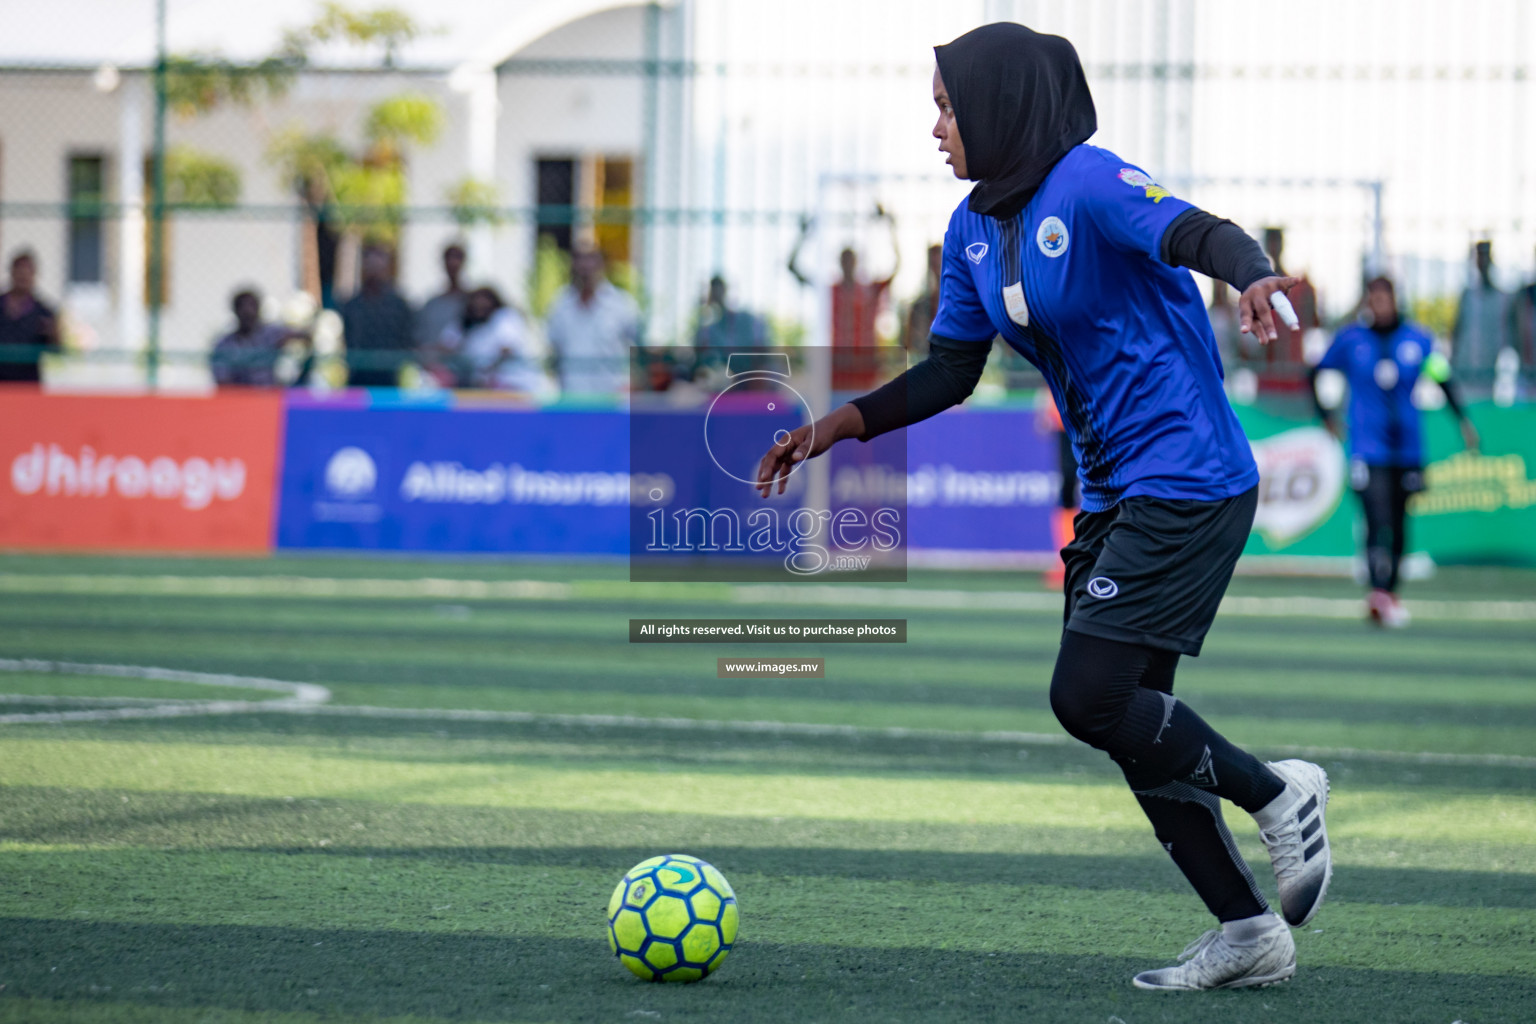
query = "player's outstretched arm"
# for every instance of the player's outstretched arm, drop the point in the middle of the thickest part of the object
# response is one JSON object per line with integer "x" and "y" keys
{"x": 807, "y": 442}
{"x": 1438, "y": 369}
{"x": 947, "y": 377}
{"x": 1220, "y": 249}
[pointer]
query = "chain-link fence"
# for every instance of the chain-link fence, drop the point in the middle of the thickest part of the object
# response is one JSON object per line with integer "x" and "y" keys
{"x": 779, "y": 148}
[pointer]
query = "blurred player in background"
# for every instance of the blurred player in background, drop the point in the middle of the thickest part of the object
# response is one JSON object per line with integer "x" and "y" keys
{"x": 1382, "y": 358}
{"x": 1074, "y": 257}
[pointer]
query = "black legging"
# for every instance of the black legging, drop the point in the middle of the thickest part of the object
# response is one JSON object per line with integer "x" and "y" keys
{"x": 1118, "y": 697}
{"x": 1384, "y": 499}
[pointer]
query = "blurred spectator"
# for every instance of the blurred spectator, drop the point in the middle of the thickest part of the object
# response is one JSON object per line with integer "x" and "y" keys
{"x": 915, "y": 329}
{"x": 592, "y": 325}
{"x": 496, "y": 348}
{"x": 28, "y": 325}
{"x": 666, "y": 374}
{"x": 856, "y": 304}
{"x": 721, "y": 327}
{"x": 248, "y": 354}
{"x": 1482, "y": 318}
{"x": 443, "y": 310}
{"x": 1522, "y": 315}
{"x": 377, "y": 325}
{"x": 1287, "y": 348}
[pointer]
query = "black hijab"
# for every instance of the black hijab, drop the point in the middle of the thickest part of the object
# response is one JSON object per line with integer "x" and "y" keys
{"x": 1021, "y": 102}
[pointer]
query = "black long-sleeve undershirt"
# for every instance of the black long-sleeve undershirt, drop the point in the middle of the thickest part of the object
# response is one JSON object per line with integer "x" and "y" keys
{"x": 1216, "y": 248}
{"x": 947, "y": 377}
{"x": 1195, "y": 239}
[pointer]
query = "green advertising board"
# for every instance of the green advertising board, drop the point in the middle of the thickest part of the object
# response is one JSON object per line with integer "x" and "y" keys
{"x": 1476, "y": 508}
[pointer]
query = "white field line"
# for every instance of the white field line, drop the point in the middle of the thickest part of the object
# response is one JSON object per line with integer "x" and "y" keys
{"x": 295, "y": 695}
{"x": 821, "y": 594}
{"x": 310, "y": 699}
{"x": 282, "y": 586}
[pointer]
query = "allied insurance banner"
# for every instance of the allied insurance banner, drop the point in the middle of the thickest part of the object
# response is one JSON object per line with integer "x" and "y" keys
{"x": 138, "y": 474}
{"x": 981, "y": 481}
{"x": 492, "y": 480}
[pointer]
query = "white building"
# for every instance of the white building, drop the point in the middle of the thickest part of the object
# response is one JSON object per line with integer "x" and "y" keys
{"x": 722, "y": 122}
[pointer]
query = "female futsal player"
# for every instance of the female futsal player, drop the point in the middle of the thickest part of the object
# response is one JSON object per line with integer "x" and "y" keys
{"x": 1382, "y": 357}
{"x": 1074, "y": 257}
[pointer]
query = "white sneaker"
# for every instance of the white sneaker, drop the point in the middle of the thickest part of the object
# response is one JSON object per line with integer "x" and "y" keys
{"x": 1395, "y": 616}
{"x": 1386, "y": 610}
{"x": 1292, "y": 828}
{"x": 1215, "y": 961}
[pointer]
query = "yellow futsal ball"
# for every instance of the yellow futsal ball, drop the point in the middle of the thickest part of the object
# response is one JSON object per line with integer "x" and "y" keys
{"x": 672, "y": 918}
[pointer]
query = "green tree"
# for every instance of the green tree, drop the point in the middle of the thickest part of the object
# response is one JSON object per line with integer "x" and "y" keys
{"x": 197, "y": 84}
{"x": 363, "y": 191}
{"x": 196, "y": 178}
{"x": 474, "y": 201}
{"x": 386, "y": 27}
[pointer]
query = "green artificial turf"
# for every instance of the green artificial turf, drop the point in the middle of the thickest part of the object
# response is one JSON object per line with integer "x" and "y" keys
{"x": 385, "y": 861}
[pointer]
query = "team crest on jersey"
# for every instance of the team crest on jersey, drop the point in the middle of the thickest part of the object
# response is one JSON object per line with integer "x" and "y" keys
{"x": 1051, "y": 237}
{"x": 1411, "y": 353}
{"x": 1138, "y": 179}
{"x": 975, "y": 251}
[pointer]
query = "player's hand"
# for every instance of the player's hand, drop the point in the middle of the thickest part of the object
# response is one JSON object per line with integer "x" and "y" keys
{"x": 1469, "y": 436}
{"x": 1257, "y": 318}
{"x": 806, "y": 442}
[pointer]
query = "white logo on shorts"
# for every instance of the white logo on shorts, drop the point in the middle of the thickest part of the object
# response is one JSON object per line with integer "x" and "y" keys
{"x": 1103, "y": 588}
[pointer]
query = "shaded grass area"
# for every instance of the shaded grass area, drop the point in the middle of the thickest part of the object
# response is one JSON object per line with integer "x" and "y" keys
{"x": 275, "y": 867}
{"x": 512, "y": 978}
{"x": 519, "y": 978}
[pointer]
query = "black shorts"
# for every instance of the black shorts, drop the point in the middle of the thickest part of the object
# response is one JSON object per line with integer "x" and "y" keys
{"x": 1152, "y": 571}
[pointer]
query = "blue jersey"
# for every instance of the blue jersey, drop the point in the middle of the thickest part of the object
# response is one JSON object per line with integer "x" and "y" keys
{"x": 1382, "y": 368}
{"x": 1075, "y": 284}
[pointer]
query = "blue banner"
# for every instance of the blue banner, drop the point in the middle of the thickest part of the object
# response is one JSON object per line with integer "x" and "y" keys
{"x": 982, "y": 481}
{"x": 440, "y": 479}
